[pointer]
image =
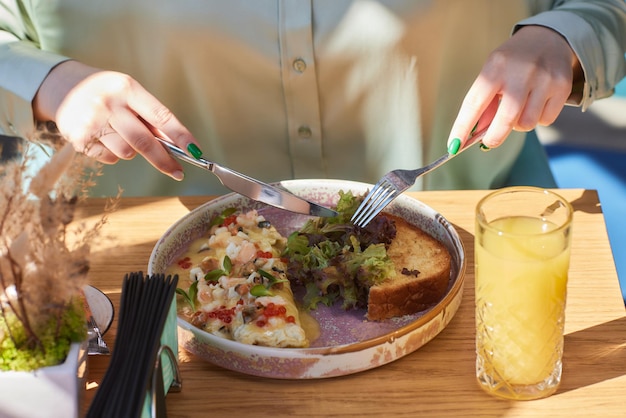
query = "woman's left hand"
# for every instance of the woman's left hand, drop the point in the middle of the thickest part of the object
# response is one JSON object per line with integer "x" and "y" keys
{"x": 524, "y": 83}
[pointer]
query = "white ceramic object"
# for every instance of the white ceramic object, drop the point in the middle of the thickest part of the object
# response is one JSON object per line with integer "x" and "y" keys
{"x": 49, "y": 392}
{"x": 101, "y": 307}
{"x": 348, "y": 343}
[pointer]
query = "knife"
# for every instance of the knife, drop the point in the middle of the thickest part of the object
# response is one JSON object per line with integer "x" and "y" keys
{"x": 252, "y": 188}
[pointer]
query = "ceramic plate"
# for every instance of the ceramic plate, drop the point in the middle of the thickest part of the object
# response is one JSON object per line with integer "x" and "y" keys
{"x": 101, "y": 307}
{"x": 348, "y": 343}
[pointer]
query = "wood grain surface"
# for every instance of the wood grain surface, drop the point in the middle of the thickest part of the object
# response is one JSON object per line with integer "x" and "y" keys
{"x": 435, "y": 381}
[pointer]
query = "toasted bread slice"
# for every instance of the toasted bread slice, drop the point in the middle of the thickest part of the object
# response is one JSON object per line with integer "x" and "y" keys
{"x": 422, "y": 274}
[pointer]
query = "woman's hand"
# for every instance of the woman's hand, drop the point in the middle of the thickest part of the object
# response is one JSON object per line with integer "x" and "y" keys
{"x": 524, "y": 83}
{"x": 109, "y": 116}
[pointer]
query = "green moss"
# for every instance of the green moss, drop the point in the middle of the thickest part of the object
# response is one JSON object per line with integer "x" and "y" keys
{"x": 55, "y": 341}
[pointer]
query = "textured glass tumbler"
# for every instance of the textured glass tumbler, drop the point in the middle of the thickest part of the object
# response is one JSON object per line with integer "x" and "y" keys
{"x": 522, "y": 252}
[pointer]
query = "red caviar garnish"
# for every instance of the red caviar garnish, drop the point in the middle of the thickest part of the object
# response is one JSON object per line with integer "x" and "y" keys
{"x": 274, "y": 310}
{"x": 230, "y": 220}
{"x": 223, "y": 314}
{"x": 184, "y": 263}
{"x": 264, "y": 254}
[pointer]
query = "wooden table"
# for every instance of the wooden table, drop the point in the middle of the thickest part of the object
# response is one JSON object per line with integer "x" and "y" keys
{"x": 436, "y": 380}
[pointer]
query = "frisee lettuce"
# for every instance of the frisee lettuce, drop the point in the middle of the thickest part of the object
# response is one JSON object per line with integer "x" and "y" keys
{"x": 334, "y": 259}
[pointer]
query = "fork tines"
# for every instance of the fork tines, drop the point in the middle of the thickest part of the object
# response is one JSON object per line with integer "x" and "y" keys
{"x": 375, "y": 201}
{"x": 96, "y": 344}
{"x": 398, "y": 181}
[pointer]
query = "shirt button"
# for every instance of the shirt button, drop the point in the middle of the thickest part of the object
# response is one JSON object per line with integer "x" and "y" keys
{"x": 299, "y": 65}
{"x": 304, "y": 132}
{"x": 12, "y": 128}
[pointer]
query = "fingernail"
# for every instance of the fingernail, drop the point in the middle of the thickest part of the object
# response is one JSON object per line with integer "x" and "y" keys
{"x": 484, "y": 147}
{"x": 454, "y": 146}
{"x": 178, "y": 175}
{"x": 474, "y": 129}
{"x": 194, "y": 150}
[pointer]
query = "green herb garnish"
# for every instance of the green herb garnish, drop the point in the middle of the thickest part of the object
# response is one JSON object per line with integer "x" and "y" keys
{"x": 260, "y": 290}
{"x": 214, "y": 275}
{"x": 270, "y": 277}
{"x": 190, "y": 295}
{"x": 219, "y": 219}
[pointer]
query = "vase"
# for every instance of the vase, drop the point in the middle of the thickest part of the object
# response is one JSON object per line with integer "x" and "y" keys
{"x": 48, "y": 392}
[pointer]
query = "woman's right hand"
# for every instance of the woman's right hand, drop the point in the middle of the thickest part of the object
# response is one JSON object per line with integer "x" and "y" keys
{"x": 109, "y": 116}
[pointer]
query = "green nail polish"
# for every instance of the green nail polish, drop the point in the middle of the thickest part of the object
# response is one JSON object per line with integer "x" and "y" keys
{"x": 454, "y": 146}
{"x": 474, "y": 129}
{"x": 484, "y": 147}
{"x": 194, "y": 150}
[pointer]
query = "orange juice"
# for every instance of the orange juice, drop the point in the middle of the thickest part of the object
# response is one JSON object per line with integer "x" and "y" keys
{"x": 521, "y": 279}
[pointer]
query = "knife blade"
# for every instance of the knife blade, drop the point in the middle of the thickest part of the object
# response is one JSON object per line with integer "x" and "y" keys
{"x": 252, "y": 188}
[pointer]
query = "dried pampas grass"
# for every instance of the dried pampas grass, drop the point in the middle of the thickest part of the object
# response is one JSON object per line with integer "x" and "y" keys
{"x": 44, "y": 257}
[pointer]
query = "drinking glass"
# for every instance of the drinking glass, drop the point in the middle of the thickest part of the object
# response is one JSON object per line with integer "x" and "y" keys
{"x": 522, "y": 253}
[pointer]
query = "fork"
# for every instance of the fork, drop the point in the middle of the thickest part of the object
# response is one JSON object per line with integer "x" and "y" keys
{"x": 97, "y": 345}
{"x": 395, "y": 182}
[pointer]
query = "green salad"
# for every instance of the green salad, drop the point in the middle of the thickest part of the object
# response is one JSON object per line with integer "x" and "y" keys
{"x": 338, "y": 261}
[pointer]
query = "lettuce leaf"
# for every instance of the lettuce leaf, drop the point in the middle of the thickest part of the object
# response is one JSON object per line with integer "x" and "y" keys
{"x": 336, "y": 260}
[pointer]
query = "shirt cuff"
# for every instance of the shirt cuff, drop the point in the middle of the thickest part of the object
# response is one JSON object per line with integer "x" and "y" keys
{"x": 586, "y": 45}
{"x": 23, "y": 67}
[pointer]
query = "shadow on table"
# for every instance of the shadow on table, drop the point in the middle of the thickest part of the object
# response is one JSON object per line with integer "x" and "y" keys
{"x": 582, "y": 203}
{"x": 600, "y": 355}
